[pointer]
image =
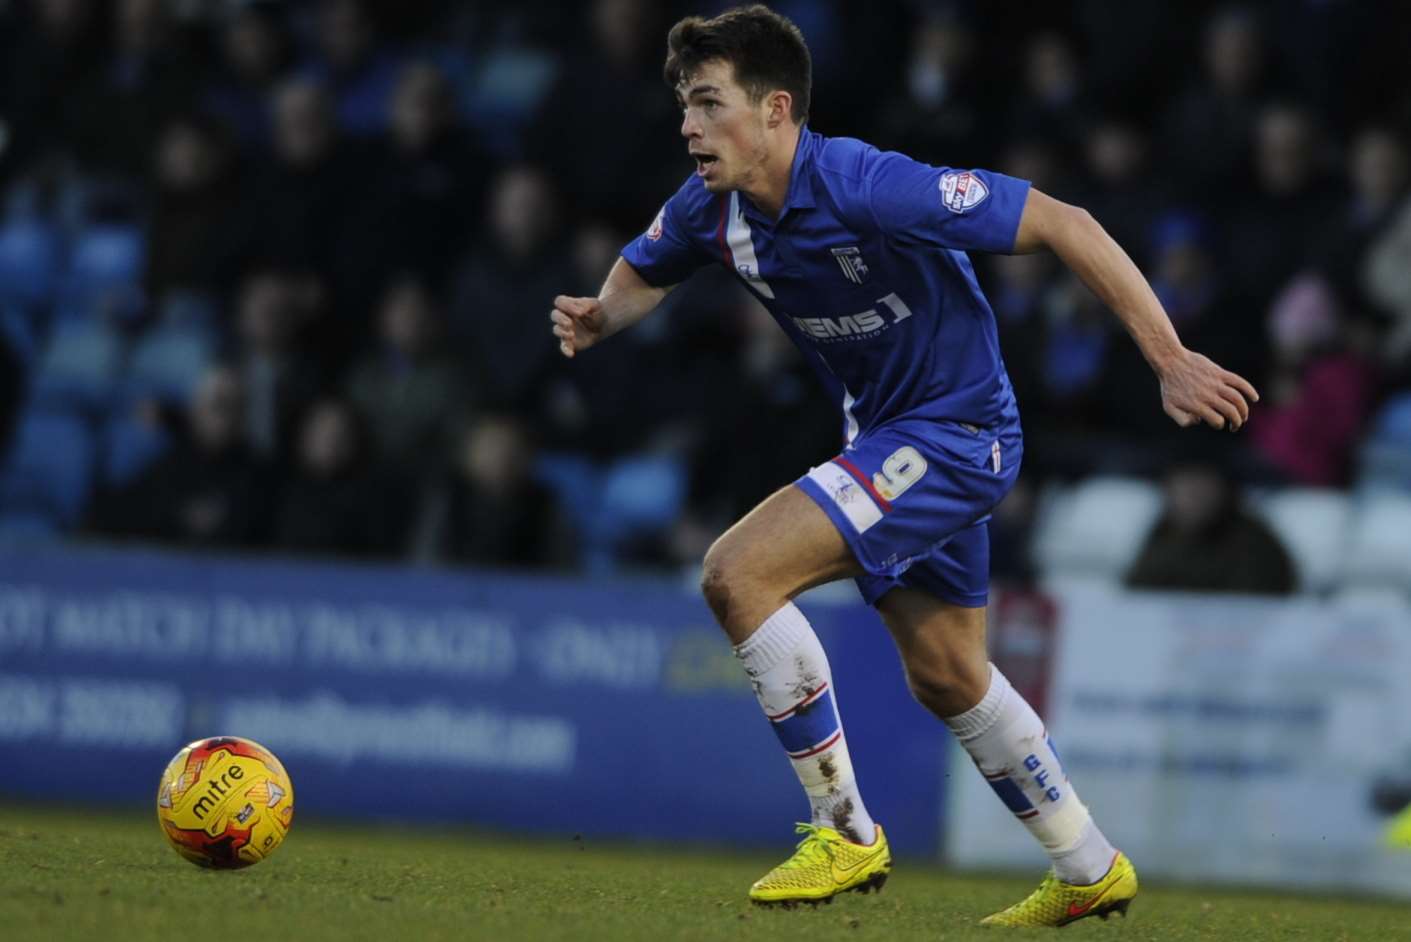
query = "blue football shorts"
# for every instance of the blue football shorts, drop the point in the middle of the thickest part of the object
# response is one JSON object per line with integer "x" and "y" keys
{"x": 912, "y": 498}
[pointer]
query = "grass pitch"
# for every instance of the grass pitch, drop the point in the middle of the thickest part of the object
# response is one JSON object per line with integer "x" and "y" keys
{"x": 86, "y": 875}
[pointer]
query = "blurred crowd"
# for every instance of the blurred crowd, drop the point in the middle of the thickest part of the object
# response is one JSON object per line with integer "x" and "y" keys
{"x": 276, "y": 275}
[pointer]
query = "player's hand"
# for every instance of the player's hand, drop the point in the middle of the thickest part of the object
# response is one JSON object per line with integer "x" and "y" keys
{"x": 1195, "y": 389}
{"x": 578, "y": 323}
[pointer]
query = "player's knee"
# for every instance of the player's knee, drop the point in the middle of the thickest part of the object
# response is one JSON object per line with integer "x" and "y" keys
{"x": 929, "y": 688}
{"x": 718, "y": 573}
{"x": 943, "y": 687}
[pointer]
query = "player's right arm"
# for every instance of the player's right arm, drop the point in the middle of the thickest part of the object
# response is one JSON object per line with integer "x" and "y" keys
{"x": 624, "y": 299}
{"x": 650, "y": 267}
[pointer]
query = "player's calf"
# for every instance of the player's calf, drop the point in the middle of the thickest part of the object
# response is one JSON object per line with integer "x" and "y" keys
{"x": 942, "y": 648}
{"x": 1011, "y": 748}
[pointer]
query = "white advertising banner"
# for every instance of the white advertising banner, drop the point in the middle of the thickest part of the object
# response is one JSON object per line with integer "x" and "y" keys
{"x": 1222, "y": 739}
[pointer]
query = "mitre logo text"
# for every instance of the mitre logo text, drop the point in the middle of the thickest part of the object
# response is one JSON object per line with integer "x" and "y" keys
{"x": 216, "y": 790}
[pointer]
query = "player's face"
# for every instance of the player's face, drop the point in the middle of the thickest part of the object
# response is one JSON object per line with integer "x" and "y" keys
{"x": 724, "y": 130}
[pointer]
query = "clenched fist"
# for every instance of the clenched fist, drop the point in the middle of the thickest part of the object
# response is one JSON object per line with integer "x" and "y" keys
{"x": 578, "y": 323}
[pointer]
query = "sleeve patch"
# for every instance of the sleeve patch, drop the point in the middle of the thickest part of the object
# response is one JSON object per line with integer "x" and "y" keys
{"x": 962, "y": 190}
{"x": 654, "y": 231}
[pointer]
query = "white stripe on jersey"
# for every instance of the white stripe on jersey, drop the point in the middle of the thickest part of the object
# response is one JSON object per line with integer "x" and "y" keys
{"x": 848, "y": 400}
{"x": 851, "y": 497}
{"x": 737, "y": 235}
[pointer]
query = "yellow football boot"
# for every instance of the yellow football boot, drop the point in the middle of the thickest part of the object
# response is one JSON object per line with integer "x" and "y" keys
{"x": 1398, "y": 833}
{"x": 1057, "y": 904}
{"x": 824, "y": 865}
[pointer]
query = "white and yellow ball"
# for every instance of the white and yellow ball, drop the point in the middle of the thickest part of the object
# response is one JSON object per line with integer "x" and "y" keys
{"x": 225, "y": 802}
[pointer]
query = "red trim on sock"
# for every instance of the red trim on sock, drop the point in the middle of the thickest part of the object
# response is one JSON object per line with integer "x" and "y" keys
{"x": 1027, "y": 814}
{"x": 776, "y": 717}
{"x": 817, "y": 749}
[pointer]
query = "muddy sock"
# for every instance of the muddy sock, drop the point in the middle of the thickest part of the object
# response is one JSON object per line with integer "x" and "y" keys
{"x": 791, "y": 679}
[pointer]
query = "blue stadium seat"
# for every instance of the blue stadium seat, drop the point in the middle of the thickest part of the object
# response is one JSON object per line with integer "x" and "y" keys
{"x": 29, "y": 261}
{"x": 48, "y": 471}
{"x": 23, "y": 197}
{"x": 19, "y": 332}
{"x": 1385, "y": 456}
{"x": 641, "y": 493}
{"x": 189, "y": 309}
{"x": 574, "y": 480}
{"x": 129, "y": 447}
{"x": 105, "y": 269}
{"x": 610, "y": 505}
{"x": 512, "y": 82}
{"x": 166, "y": 363}
{"x": 460, "y": 69}
{"x": 27, "y": 528}
{"x": 79, "y": 367}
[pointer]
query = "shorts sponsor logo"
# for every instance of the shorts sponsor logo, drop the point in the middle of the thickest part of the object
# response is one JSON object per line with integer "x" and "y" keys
{"x": 847, "y": 495}
{"x": 962, "y": 190}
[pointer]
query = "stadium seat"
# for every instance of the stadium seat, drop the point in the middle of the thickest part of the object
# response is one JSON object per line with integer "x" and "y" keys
{"x": 574, "y": 480}
{"x": 189, "y": 309}
{"x": 129, "y": 446}
{"x": 641, "y": 492}
{"x": 1385, "y": 457}
{"x": 512, "y": 82}
{"x": 611, "y": 505}
{"x": 24, "y": 196}
{"x": 27, "y": 528}
{"x": 29, "y": 261}
{"x": 1095, "y": 528}
{"x": 166, "y": 363}
{"x": 19, "y": 333}
{"x": 48, "y": 471}
{"x": 79, "y": 367}
{"x": 1368, "y": 597}
{"x": 105, "y": 269}
{"x": 1313, "y": 524}
{"x": 1379, "y": 545}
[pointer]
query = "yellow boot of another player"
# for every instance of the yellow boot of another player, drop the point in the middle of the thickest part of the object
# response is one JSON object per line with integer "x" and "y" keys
{"x": 1057, "y": 904}
{"x": 824, "y": 865}
{"x": 1398, "y": 833}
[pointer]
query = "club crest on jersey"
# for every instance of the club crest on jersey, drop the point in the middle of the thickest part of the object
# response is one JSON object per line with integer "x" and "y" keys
{"x": 850, "y": 261}
{"x": 962, "y": 190}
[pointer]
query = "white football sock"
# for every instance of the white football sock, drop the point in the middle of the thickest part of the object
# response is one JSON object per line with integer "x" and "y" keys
{"x": 1008, "y": 743}
{"x": 794, "y": 686}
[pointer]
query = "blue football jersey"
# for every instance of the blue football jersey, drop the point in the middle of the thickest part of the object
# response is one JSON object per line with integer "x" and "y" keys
{"x": 866, "y": 270}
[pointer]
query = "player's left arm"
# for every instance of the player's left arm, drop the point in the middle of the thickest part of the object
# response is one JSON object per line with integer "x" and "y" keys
{"x": 1193, "y": 388}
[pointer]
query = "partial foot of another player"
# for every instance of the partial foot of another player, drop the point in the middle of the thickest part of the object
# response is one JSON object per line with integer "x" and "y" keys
{"x": 1057, "y": 904}
{"x": 824, "y": 865}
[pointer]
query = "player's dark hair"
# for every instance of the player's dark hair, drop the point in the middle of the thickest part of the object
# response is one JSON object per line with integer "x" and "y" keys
{"x": 766, "y": 50}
